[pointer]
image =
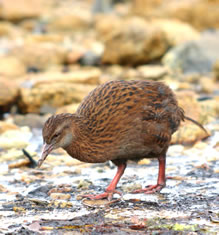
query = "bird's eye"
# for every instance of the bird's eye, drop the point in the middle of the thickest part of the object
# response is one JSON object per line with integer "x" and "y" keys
{"x": 56, "y": 135}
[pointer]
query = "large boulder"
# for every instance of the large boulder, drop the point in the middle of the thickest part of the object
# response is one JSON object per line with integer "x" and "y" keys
{"x": 16, "y": 10}
{"x": 202, "y": 14}
{"x": 134, "y": 41}
{"x": 40, "y": 56}
{"x": 56, "y": 90}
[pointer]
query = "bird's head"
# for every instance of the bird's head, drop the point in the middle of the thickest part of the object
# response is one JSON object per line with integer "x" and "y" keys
{"x": 57, "y": 133}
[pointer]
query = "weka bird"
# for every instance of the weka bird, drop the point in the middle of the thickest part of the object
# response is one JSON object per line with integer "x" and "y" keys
{"x": 118, "y": 121}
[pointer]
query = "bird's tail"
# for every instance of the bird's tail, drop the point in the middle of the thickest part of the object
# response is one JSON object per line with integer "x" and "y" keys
{"x": 197, "y": 123}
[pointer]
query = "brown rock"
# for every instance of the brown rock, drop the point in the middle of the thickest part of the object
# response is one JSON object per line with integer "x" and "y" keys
{"x": 177, "y": 31}
{"x": 216, "y": 70}
{"x": 189, "y": 133}
{"x": 134, "y": 41}
{"x": 60, "y": 196}
{"x": 9, "y": 30}
{"x": 5, "y": 126}
{"x": 39, "y": 55}
{"x": 152, "y": 72}
{"x": 8, "y": 95}
{"x": 57, "y": 90}
{"x": 20, "y": 9}
{"x": 10, "y": 66}
{"x": 184, "y": 10}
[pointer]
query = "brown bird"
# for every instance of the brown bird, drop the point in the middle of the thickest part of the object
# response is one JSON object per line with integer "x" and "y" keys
{"x": 118, "y": 121}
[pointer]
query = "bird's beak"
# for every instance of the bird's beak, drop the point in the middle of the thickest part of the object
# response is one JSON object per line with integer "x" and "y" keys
{"x": 47, "y": 148}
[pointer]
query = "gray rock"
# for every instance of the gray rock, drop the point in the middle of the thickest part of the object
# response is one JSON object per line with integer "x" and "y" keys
{"x": 194, "y": 57}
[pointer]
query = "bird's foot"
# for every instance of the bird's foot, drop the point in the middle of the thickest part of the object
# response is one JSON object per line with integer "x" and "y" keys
{"x": 108, "y": 195}
{"x": 150, "y": 189}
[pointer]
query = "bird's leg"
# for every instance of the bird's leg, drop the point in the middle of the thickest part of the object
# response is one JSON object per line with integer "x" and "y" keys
{"x": 161, "y": 180}
{"x": 110, "y": 190}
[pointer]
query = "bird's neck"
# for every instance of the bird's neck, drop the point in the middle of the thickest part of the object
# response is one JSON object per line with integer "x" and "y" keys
{"x": 83, "y": 147}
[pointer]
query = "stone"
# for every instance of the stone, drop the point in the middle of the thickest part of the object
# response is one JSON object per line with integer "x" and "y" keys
{"x": 138, "y": 41}
{"x": 12, "y": 67}
{"x": 188, "y": 132}
{"x": 56, "y": 90}
{"x": 71, "y": 108}
{"x": 8, "y": 95}
{"x": 216, "y": 70}
{"x": 60, "y": 196}
{"x": 20, "y": 9}
{"x": 5, "y": 126}
{"x": 194, "y": 57}
{"x": 15, "y": 138}
{"x": 177, "y": 31}
{"x": 9, "y": 30}
{"x": 191, "y": 12}
{"x": 31, "y": 120}
{"x": 39, "y": 55}
{"x": 68, "y": 21}
{"x": 152, "y": 72}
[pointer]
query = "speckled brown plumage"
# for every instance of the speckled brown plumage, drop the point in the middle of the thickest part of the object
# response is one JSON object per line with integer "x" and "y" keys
{"x": 118, "y": 121}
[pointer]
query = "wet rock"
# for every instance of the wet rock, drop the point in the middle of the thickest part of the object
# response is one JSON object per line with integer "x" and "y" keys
{"x": 131, "y": 187}
{"x": 84, "y": 184}
{"x": 10, "y": 66}
{"x": 152, "y": 72}
{"x": 138, "y": 41}
{"x": 57, "y": 90}
{"x": 60, "y": 196}
{"x": 8, "y": 94}
{"x": 39, "y": 55}
{"x": 189, "y": 11}
{"x": 20, "y": 9}
{"x": 177, "y": 31}
{"x": 5, "y": 126}
{"x": 194, "y": 57}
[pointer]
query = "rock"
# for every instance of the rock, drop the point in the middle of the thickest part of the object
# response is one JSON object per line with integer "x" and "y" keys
{"x": 131, "y": 187}
{"x": 138, "y": 41}
{"x": 10, "y": 66}
{"x": 189, "y": 133}
{"x": 39, "y": 55}
{"x": 15, "y": 138}
{"x": 177, "y": 31}
{"x": 191, "y": 12}
{"x": 8, "y": 95}
{"x": 71, "y": 108}
{"x": 208, "y": 85}
{"x": 194, "y": 57}
{"x": 216, "y": 70}
{"x": 5, "y": 126}
{"x": 57, "y": 90}
{"x": 209, "y": 110}
{"x": 70, "y": 21}
{"x": 60, "y": 196}
{"x": 152, "y": 72}
{"x": 9, "y": 30}
{"x": 84, "y": 184}
{"x": 31, "y": 120}
{"x": 20, "y": 9}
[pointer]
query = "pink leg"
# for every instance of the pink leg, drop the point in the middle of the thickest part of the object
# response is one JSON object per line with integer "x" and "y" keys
{"x": 110, "y": 190}
{"x": 161, "y": 180}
